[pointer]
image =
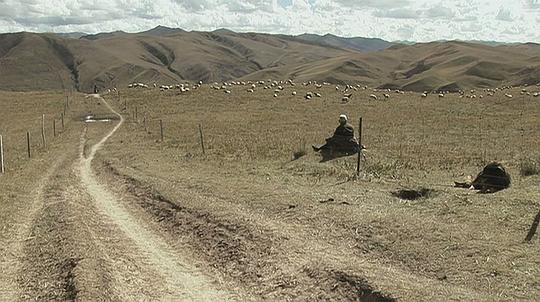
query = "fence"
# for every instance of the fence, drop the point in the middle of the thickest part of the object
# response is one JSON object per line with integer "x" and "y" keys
{"x": 16, "y": 145}
{"x": 407, "y": 132}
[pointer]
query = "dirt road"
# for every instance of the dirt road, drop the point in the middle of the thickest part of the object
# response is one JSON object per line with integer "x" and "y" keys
{"x": 80, "y": 242}
{"x": 109, "y": 212}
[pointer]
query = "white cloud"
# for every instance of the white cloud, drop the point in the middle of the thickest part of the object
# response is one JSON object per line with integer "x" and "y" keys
{"x": 504, "y": 15}
{"x": 531, "y": 4}
{"x": 398, "y": 13}
{"x": 421, "y": 20}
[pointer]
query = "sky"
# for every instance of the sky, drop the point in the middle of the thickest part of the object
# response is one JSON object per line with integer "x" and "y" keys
{"x": 411, "y": 20}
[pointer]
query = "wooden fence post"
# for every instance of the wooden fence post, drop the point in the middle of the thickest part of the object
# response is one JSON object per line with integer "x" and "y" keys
{"x": 137, "y": 114}
{"x": 360, "y": 150}
{"x": 28, "y": 143}
{"x": 161, "y": 128}
{"x": 2, "y": 169}
{"x": 533, "y": 228}
{"x": 43, "y": 131}
{"x": 144, "y": 123}
{"x": 54, "y": 127}
{"x": 62, "y": 117}
{"x": 202, "y": 138}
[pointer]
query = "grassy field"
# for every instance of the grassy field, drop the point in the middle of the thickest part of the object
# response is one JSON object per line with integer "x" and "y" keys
{"x": 303, "y": 229}
{"x": 406, "y": 135}
{"x": 454, "y": 244}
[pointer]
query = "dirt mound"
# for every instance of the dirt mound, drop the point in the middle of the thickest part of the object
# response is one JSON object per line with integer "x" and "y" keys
{"x": 413, "y": 194}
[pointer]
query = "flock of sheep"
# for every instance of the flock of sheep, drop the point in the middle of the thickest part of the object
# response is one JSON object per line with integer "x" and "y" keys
{"x": 347, "y": 90}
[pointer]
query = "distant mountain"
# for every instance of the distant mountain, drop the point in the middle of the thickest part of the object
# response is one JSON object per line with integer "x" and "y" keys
{"x": 430, "y": 66}
{"x": 104, "y": 35}
{"x": 30, "y": 61}
{"x": 359, "y": 44}
{"x": 73, "y": 35}
{"x": 161, "y": 31}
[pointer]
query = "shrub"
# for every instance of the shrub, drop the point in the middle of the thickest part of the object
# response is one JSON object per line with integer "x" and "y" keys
{"x": 528, "y": 167}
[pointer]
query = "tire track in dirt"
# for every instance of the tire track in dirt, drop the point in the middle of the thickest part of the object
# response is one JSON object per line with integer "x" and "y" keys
{"x": 12, "y": 260}
{"x": 181, "y": 280}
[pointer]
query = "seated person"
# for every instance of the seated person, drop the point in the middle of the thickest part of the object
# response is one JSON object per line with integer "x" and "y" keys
{"x": 343, "y": 140}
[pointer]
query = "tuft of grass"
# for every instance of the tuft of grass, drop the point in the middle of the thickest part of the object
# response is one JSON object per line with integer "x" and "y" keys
{"x": 529, "y": 167}
{"x": 301, "y": 151}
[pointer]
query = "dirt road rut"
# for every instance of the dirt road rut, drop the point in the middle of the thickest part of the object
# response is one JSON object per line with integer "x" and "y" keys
{"x": 85, "y": 244}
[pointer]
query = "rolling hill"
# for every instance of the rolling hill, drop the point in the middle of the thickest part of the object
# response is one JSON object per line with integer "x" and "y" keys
{"x": 30, "y": 61}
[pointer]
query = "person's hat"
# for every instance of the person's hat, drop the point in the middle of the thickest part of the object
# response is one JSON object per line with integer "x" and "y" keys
{"x": 343, "y": 116}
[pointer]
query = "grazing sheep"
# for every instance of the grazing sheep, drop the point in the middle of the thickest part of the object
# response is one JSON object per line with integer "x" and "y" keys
{"x": 441, "y": 95}
{"x": 250, "y": 90}
{"x": 373, "y": 96}
{"x": 536, "y": 94}
{"x": 317, "y": 94}
{"x": 424, "y": 95}
{"x": 308, "y": 95}
{"x": 294, "y": 93}
{"x": 227, "y": 91}
{"x": 344, "y": 99}
{"x": 508, "y": 95}
{"x": 386, "y": 96}
{"x": 275, "y": 95}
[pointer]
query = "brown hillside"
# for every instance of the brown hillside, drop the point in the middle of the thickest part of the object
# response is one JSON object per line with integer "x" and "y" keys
{"x": 167, "y": 56}
{"x": 430, "y": 66}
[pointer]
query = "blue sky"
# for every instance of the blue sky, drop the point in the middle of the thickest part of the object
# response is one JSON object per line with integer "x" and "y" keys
{"x": 420, "y": 20}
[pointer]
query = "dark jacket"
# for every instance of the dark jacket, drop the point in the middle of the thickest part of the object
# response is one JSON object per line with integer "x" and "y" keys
{"x": 343, "y": 140}
{"x": 344, "y": 130}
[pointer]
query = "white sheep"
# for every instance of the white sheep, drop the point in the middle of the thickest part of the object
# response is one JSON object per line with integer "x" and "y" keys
{"x": 294, "y": 93}
{"x": 373, "y": 96}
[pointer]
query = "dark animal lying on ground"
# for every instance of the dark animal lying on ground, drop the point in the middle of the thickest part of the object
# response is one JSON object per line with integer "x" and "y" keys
{"x": 493, "y": 178}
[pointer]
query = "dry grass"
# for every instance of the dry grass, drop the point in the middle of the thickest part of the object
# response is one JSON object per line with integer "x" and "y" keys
{"x": 455, "y": 241}
{"x": 455, "y": 244}
{"x": 22, "y": 112}
{"x": 405, "y": 134}
{"x": 529, "y": 167}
